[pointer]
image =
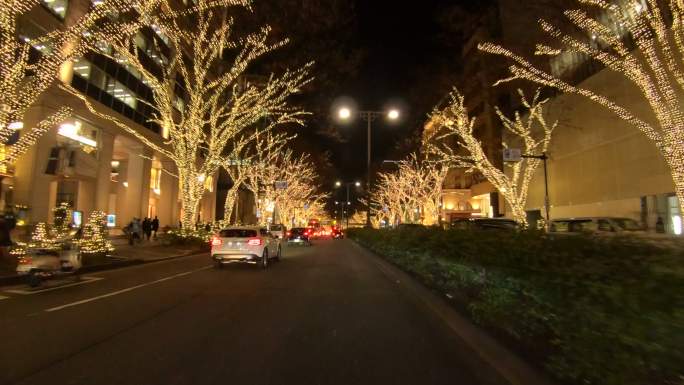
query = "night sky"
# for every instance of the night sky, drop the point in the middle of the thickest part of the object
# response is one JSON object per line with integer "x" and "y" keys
{"x": 400, "y": 44}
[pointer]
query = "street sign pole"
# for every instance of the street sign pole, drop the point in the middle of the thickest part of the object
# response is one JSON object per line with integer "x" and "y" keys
{"x": 547, "y": 204}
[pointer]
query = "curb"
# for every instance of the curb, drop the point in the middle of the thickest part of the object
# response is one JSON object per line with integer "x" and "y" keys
{"x": 21, "y": 279}
{"x": 508, "y": 367}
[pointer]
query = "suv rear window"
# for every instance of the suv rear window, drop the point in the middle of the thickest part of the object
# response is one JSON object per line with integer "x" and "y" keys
{"x": 298, "y": 230}
{"x": 237, "y": 233}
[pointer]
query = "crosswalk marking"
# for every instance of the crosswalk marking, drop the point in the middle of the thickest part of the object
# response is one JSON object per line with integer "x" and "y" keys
{"x": 84, "y": 280}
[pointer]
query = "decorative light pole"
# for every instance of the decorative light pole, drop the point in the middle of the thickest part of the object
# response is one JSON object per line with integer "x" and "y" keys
{"x": 346, "y": 203}
{"x": 345, "y": 113}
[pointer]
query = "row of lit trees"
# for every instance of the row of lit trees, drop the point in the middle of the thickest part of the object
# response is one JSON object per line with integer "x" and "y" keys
{"x": 640, "y": 40}
{"x": 218, "y": 105}
{"x": 411, "y": 194}
{"x": 284, "y": 185}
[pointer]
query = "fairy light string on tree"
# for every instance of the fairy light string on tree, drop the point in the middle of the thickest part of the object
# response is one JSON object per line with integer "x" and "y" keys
{"x": 25, "y": 77}
{"x": 94, "y": 240}
{"x": 220, "y": 104}
{"x": 653, "y": 64}
{"x": 529, "y": 131}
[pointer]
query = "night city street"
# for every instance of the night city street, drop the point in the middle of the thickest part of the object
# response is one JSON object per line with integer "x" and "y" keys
{"x": 342, "y": 192}
{"x": 326, "y": 314}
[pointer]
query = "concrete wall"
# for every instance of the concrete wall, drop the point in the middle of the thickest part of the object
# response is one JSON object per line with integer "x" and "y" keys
{"x": 600, "y": 165}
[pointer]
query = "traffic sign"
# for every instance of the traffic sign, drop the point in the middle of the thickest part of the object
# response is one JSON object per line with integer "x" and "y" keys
{"x": 512, "y": 155}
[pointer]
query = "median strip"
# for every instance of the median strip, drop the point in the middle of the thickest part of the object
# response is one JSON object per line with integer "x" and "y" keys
{"x": 122, "y": 291}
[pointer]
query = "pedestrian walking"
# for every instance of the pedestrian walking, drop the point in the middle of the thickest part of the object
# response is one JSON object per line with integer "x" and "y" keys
{"x": 134, "y": 231}
{"x": 155, "y": 226}
{"x": 660, "y": 226}
{"x": 147, "y": 228}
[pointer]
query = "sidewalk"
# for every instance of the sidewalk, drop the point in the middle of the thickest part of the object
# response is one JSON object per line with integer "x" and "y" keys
{"x": 124, "y": 255}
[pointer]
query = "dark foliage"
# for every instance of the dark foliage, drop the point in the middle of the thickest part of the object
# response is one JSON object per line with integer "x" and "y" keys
{"x": 592, "y": 310}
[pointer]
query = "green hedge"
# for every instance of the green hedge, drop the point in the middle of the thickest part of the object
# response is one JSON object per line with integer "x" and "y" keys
{"x": 591, "y": 310}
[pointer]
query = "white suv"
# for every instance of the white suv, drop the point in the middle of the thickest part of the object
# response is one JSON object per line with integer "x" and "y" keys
{"x": 253, "y": 245}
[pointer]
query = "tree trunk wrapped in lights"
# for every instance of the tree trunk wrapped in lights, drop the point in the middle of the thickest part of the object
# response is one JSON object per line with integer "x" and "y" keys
{"x": 267, "y": 156}
{"x": 531, "y": 132}
{"x": 25, "y": 77}
{"x": 300, "y": 188}
{"x": 219, "y": 104}
{"x": 633, "y": 39}
{"x": 412, "y": 194}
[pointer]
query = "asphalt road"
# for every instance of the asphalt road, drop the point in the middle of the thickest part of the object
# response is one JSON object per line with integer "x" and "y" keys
{"x": 325, "y": 314}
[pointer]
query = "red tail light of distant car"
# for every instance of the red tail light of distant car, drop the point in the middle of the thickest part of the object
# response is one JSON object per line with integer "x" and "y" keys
{"x": 216, "y": 241}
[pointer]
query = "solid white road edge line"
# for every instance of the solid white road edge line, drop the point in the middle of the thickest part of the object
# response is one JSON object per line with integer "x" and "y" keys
{"x": 84, "y": 280}
{"x": 3, "y": 297}
{"x": 84, "y": 301}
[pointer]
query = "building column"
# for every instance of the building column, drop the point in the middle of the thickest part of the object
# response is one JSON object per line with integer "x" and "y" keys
{"x": 145, "y": 181}
{"x": 104, "y": 171}
{"x": 133, "y": 191}
{"x": 31, "y": 184}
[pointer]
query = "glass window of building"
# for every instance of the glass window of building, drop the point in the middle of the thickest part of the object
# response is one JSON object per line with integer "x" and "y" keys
{"x": 155, "y": 179}
{"x": 121, "y": 92}
{"x": 83, "y": 68}
{"x": 58, "y": 7}
{"x": 79, "y": 134}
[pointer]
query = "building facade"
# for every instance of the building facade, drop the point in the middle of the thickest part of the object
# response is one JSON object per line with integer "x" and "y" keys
{"x": 598, "y": 164}
{"x": 87, "y": 162}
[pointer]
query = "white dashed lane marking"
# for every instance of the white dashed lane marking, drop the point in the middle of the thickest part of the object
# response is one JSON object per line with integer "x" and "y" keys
{"x": 83, "y": 281}
{"x": 3, "y": 297}
{"x": 115, "y": 293}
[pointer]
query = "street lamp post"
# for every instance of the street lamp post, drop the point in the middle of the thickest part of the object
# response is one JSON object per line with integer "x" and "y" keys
{"x": 547, "y": 204}
{"x": 347, "y": 202}
{"x": 369, "y": 117}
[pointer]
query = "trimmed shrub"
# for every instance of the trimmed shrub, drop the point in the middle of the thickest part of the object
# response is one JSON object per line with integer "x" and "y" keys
{"x": 589, "y": 309}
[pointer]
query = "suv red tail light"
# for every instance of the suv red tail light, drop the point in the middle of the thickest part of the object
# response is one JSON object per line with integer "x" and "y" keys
{"x": 254, "y": 242}
{"x": 288, "y": 233}
{"x": 216, "y": 241}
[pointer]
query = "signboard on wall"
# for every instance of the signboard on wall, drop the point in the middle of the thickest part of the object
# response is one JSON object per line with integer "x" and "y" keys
{"x": 77, "y": 218}
{"x": 111, "y": 220}
{"x": 512, "y": 155}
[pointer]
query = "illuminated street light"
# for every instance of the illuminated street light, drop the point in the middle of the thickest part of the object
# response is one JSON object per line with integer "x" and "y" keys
{"x": 344, "y": 113}
{"x": 338, "y": 184}
{"x": 357, "y": 184}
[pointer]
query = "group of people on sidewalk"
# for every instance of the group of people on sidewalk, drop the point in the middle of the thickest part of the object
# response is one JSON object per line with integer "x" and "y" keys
{"x": 138, "y": 230}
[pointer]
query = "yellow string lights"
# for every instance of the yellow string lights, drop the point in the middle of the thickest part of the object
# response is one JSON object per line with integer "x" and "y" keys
{"x": 412, "y": 194}
{"x": 219, "y": 104}
{"x": 24, "y": 76}
{"x": 268, "y": 162}
{"x": 94, "y": 240}
{"x": 531, "y": 133}
{"x": 654, "y": 66}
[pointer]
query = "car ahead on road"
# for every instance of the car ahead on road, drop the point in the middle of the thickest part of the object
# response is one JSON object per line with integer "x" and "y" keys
{"x": 337, "y": 233}
{"x": 278, "y": 231}
{"x": 596, "y": 225}
{"x": 299, "y": 236}
{"x": 485, "y": 224}
{"x": 252, "y": 245}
